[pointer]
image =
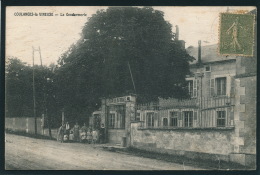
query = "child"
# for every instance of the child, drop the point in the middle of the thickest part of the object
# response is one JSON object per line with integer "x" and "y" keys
{"x": 89, "y": 136}
{"x": 71, "y": 136}
{"x": 94, "y": 136}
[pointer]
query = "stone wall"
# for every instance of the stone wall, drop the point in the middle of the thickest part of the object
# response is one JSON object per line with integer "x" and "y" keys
{"x": 23, "y": 124}
{"x": 249, "y": 115}
{"x": 26, "y": 125}
{"x": 245, "y": 111}
{"x": 245, "y": 121}
{"x": 54, "y": 132}
{"x": 194, "y": 143}
{"x": 115, "y": 135}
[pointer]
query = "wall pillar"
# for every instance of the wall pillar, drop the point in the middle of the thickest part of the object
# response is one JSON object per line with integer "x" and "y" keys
{"x": 239, "y": 110}
{"x": 27, "y": 125}
{"x": 129, "y": 117}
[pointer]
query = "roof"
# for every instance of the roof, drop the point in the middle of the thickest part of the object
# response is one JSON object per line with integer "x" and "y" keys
{"x": 209, "y": 54}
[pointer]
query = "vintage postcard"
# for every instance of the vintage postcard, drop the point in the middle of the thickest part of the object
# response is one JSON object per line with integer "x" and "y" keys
{"x": 130, "y": 88}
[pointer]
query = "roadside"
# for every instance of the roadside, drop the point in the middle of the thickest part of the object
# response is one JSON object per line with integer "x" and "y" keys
{"x": 202, "y": 164}
{"x": 26, "y": 153}
{"x": 181, "y": 160}
{"x": 39, "y": 136}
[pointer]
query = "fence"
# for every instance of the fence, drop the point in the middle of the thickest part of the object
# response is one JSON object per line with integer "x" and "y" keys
{"x": 188, "y": 113}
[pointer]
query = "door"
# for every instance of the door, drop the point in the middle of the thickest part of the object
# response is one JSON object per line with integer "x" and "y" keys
{"x": 97, "y": 121}
{"x": 188, "y": 118}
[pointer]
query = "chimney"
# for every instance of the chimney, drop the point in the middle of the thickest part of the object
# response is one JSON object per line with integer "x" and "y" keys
{"x": 181, "y": 43}
{"x": 199, "y": 53}
{"x": 177, "y": 33}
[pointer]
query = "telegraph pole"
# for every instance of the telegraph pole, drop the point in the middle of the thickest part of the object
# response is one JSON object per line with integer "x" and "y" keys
{"x": 40, "y": 55}
{"x": 34, "y": 102}
{"x": 131, "y": 76}
{"x": 34, "y": 98}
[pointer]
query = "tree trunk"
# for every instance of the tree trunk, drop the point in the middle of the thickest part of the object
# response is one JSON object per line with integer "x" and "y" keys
{"x": 49, "y": 124}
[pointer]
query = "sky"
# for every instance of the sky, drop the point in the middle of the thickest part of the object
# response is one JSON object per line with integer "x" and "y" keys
{"x": 55, "y": 34}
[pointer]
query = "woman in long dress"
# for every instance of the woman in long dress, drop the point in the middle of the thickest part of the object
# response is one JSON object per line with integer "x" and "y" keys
{"x": 76, "y": 132}
{"x": 83, "y": 133}
{"x": 61, "y": 133}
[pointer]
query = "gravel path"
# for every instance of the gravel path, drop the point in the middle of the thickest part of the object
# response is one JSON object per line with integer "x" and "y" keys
{"x": 25, "y": 153}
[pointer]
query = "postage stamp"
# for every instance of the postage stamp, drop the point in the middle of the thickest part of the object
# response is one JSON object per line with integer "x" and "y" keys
{"x": 236, "y": 34}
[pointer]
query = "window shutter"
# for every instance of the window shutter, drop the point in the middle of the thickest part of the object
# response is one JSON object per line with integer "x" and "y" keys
{"x": 195, "y": 88}
{"x": 224, "y": 86}
{"x": 179, "y": 115}
{"x": 195, "y": 115}
{"x": 212, "y": 89}
{"x": 232, "y": 89}
{"x": 208, "y": 88}
{"x": 155, "y": 115}
{"x": 155, "y": 121}
{"x": 180, "y": 124}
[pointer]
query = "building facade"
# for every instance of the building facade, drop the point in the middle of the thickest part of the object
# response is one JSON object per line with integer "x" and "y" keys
{"x": 217, "y": 122}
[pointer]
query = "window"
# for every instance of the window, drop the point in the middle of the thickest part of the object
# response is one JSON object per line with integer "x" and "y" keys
{"x": 138, "y": 116}
{"x": 221, "y": 118}
{"x": 190, "y": 87}
{"x": 207, "y": 68}
{"x": 150, "y": 119}
{"x": 121, "y": 120}
{"x": 193, "y": 86}
{"x": 165, "y": 122}
{"x": 111, "y": 122}
{"x": 221, "y": 86}
{"x": 212, "y": 92}
{"x": 188, "y": 118}
{"x": 173, "y": 119}
{"x": 117, "y": 117}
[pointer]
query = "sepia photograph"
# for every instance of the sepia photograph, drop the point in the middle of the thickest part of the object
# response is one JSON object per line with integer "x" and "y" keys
{"x": 130, "y": 88}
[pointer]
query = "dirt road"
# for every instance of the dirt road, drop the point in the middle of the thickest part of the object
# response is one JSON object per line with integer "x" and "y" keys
{"x": 24, "y": 153}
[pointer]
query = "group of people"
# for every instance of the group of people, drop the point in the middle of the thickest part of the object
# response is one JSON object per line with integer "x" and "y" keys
{"x": 80, "y": 134}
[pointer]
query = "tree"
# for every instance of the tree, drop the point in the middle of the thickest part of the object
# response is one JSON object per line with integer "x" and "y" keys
{"x": 19, "y": 92}
{"x": 18, "y": 89}
{"x": 113, "y": 43}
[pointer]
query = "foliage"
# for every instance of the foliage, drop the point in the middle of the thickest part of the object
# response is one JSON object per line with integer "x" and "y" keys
{"x": 19, "y": 90}
{"x": 113, "y": 42}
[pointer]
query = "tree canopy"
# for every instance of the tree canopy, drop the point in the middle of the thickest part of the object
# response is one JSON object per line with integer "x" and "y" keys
{"x": 19, "y": 91}
{"x": 114, "y": 44}
{"x": 122, "y": 50}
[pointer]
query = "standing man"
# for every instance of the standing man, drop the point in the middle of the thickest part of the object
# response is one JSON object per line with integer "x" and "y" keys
{"x": 61, "y": 133}
{"x": 67, "y": 127}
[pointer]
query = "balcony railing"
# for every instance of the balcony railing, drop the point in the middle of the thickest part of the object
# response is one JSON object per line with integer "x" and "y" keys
{"x": 205, "y": 112}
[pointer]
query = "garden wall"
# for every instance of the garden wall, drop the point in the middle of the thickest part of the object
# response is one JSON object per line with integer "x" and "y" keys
{"x": 199, "y": 143}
